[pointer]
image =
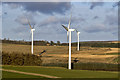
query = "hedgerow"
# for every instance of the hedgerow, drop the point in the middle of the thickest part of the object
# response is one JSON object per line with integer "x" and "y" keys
{"x": 21, "y": 59}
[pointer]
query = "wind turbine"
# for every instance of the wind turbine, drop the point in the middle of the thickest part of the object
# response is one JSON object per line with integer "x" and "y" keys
{"x": 32, "y": 30}
{"x": 69, "y": 32}
{"x": 78, "y": 39}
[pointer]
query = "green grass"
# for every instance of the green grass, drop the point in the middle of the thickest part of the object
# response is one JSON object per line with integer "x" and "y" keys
{"x": 63, "y": 72}
{"x": 108, "y": 54}
{"x": 17, "y": 75}
{"x": 113, "y": 54}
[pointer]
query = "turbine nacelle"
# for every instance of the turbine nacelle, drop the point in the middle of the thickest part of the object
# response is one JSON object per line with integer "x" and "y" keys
{"x": 68, "y": 29}
{"x": 78, "y": 32}
{"x": 32, "y": 29}
{"x": 71, "y": 29}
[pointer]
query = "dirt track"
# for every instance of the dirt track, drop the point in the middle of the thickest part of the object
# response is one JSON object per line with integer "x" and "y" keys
{"x": 35, "y": 74}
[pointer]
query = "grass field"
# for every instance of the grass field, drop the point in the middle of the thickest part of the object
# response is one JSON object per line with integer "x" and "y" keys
{"x": 59, "y": 72}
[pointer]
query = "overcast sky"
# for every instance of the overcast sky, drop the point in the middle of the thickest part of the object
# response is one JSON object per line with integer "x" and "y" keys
{"x": 95, "y": 20}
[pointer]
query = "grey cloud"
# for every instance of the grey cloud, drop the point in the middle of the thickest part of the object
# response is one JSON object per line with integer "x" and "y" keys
{"x": 78, "y": 19}
{"x": 111, "y": 19}
{"x": 53, "y": 20}
{"x": 94, "y": 4}
{"x": 116, "y": 4}
{"x": 43, "y": 7}
{"x": 22, "y": 19}
{"x": 111, "y": 10}
{"x": 60, "y": 20}
{"x": 95, "y": 17}
{"x": 20, "y": 29}
{"x": 94, "y": 28}
{"x": 14, "y": 6}
{"x": 100, "y": 28}
{"x": 114, "y": 33}
{"x": 5, "y": 13}
{"x": 23, "y": 32}
{"x": 51, "y": 29}
{"x": 47, "y": 7}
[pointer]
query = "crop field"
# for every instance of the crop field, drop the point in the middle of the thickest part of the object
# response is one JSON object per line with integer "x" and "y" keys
{"x": 58, "y": 72}
{"x": 59, "y": 54}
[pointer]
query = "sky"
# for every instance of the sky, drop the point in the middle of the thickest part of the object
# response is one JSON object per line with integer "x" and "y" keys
{"x": 95, "y": 20}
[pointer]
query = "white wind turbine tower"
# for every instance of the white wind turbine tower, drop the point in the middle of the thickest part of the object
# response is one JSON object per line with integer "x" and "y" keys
{"x": 32, "y": 30}
{"x": 78, "y": 39}
{"x": 69, "y": 32}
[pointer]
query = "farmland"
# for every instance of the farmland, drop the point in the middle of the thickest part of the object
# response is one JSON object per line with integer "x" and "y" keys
{"x": 55, "y": 59}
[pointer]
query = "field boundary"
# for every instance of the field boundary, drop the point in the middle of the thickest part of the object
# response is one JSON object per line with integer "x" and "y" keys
{"x": 27, "y": 73}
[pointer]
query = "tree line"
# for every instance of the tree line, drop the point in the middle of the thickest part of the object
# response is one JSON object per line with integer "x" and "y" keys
{"x": 40, "y": 42}
{"x": 58, "y": 43}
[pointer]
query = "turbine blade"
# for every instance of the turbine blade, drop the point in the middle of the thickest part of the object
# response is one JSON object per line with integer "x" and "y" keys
{"x": 30, "y": 36}
{"x": 77, "y": 31}
{"x": 67, "y": 35}
{"x": 33, "y": 26}
{"x": 69, "y": 21}
{"x": 67, "y": 31}
{"x": 65, "y": 27}
{"x": 29, "y": 23}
